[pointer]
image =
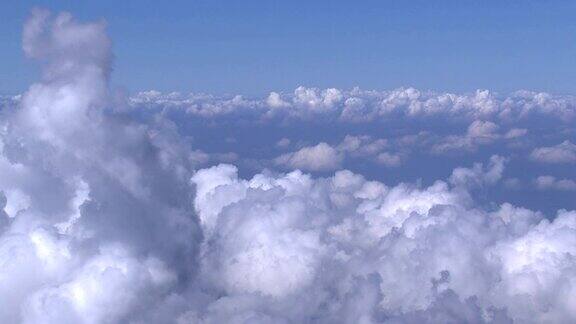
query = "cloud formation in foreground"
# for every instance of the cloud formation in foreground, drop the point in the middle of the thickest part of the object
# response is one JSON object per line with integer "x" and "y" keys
{"x": 347, "y": 249}
{"x": 107, "y": 217}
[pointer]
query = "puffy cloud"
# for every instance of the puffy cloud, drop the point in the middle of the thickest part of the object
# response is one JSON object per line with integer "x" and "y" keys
{"x": 550, "y": 182}
{"x": 97, "y": 205}
{"x": 292, "y": 248}
{"x": 107, "y": 288}
{"x": 366, "y": 106}
{"x": 478, "y": 175}
{"x": 479, "y": 133}
{"x": 404, "y": 122}
{"x": 364, "y": 145}
{"x": 483, "y": 131}
{"x": 321, "y": 157}
{"x": 564, "y": 152}
{"x": 283, "y": 142}
{"x": 315, "y": 101}
{"x": 387, "y": 159}
{"x": 515, "y": 133}
{"x": 275, "y": 101}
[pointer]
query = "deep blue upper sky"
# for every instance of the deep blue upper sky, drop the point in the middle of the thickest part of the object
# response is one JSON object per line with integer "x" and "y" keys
{"x": 253, "y": 47}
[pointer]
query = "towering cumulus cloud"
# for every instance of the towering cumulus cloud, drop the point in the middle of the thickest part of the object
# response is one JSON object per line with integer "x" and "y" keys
{"x": 106, "y": 216}
{"x": 98, "y": 223}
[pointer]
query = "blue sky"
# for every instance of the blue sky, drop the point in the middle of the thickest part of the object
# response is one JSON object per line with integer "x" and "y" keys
{"x": 253, "y": 47}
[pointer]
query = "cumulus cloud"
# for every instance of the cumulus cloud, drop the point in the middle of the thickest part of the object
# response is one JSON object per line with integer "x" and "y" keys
{"x": 283, "y": 142}
{"x": 551, "y": 183}
{"x": 363, "y": 145}
{"x": 107, "y": 217}
{"x": 479, "y": 133}
{"x": 297, "y": 245}
{"x": 275, "y": 101}
{"x": 365, "y": 106}
{"x": 321, "y": 157}
{"x": 564, "y": 152}
{"x": 411, "y": 122}
{"x": 388, "y": 159}
{"x": 479, "y": 175}
{"x": 515, "y": 133}
{"x": 96, "y": 208}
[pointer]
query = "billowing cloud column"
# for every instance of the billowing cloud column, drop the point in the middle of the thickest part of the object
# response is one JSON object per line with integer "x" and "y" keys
{"x": 98, "y": 220}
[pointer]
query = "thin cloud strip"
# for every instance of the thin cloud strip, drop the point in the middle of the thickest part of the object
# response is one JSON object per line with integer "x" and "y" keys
{"x": 361, "y": 106}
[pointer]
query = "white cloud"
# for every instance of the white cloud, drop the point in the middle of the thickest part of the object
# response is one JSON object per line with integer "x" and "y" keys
{"x": 564, "y": 152}
{"x": 366, "y": 106}
{"x": 361, "y": 146}
{"x": 484, "y": 131}
{"x": 317, "y": 100}
{"x": 478, "y": 175}
{"x": 551, "y": 183}
{"x": 390, "y": 160}
{"x": 283, "y": 142}
{"x": 479, "y": 133}
{"x": 321, "y": 157}
{"x": 96, "y": 212}
{"x": 515, "y": 133}
{"x": 404, "y": 252}
{"x": 275, "y": 101}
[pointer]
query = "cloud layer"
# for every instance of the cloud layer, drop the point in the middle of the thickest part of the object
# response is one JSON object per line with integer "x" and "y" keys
{"x": 117, "y": 210}
{"x": 347, "y": 249}
{"x": 362, "y": 106}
